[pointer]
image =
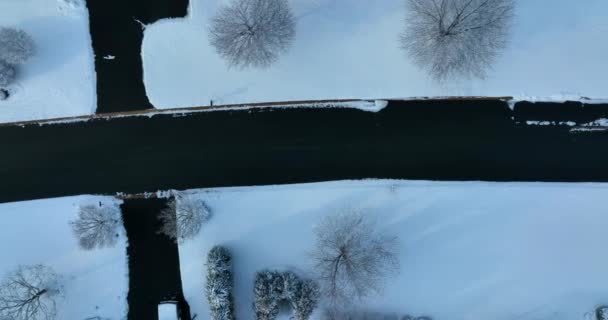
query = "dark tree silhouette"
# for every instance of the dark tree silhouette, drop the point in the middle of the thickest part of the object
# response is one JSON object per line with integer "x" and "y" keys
{"x": 184, "y": 217}
{"x": 97, "y": 226}
{"x": 16, "y": 46}
{"x": 454, "y": 38}
{"x": 252, "y": 32}
{"x": 352, "y": 258}
{"x": 30, "y": 293}
{"x": 7, "y": 74}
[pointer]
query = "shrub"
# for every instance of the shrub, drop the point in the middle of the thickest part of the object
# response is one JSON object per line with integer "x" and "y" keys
{"x": 601, "y": 313}
{"x": 271, "y": 288}
{"x": 267, "y": 290}
{"x": 16, "y": 46}
{"x": 306, "y": 299}
{"x": 7, "y": 74}
{"x": 220, "y": 284}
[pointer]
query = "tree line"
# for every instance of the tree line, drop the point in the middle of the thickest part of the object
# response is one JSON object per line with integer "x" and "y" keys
{"x": 446, "y": 38}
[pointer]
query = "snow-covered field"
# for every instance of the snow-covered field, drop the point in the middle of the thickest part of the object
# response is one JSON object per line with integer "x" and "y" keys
{"x": 343, "y": 49}
{"x": 349, "y": 49}
{"x": 468, "y": 250}
{"x": 37, "y": 232}
{"x": 59, "y": 81}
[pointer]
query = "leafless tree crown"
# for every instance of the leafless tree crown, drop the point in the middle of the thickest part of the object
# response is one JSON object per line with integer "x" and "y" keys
{"x": 97, "y": 226}
{"x": 16, "y": 46}
{"x": 454, "y": 38}
{"x": 7, "y": 74}
{"x": 252, "y": 32}
{"x": 184, "y": 217}
{"x": 30, "y": 293}
{"x": 352, "y": 258}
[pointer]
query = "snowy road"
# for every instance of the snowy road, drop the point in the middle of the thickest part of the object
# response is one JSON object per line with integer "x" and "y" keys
{"x": 445, "y": 140}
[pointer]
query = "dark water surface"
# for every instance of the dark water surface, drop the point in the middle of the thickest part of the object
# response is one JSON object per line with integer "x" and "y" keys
{"x": 116, "y": 31}
{"x": 434, "y": 140}
{"x": 154, "y": 274}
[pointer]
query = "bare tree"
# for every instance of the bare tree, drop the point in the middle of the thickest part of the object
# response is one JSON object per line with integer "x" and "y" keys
{"x": 183, "y": 218}
{"x": 7, "y": 74}
{"x": 16, "y": 46}
{"x": 252, "y": 32}
{"x": 30, "y": 293}
{"x": 352, "y": 258}
{"x": 97, "y": 226}
{"x": 452, "y": 38}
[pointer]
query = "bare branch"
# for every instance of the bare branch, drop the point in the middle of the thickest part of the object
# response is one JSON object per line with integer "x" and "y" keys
{"x": 97, "y": 226}
{"x": 168, "y": 219}
{"x": 16, "y": 46}
{"x": 30, "y": 293}
{"x": 7, "y": 74}
{"x": 252, "y": 32}
{"x": 452, "y": 38}
{"x": 351, "y": 257}
{"x": 184, "y": 217}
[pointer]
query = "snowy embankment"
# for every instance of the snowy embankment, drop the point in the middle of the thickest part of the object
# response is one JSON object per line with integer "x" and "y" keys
{"x": 363, "y": 105}
{"x": 59, "y": 80}
{"x": 468, "y": 250}
{"x": 38, "y": 232}
{"x": 349, "y": 49}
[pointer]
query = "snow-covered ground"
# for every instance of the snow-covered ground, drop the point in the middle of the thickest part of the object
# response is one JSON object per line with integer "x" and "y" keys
{"x": 343, "y": 49}
{"x": 37, "y": 232}
{"x": 59, "y": 81}
{"x": 349, "y": 49}
{"x": 468, "y": 250}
